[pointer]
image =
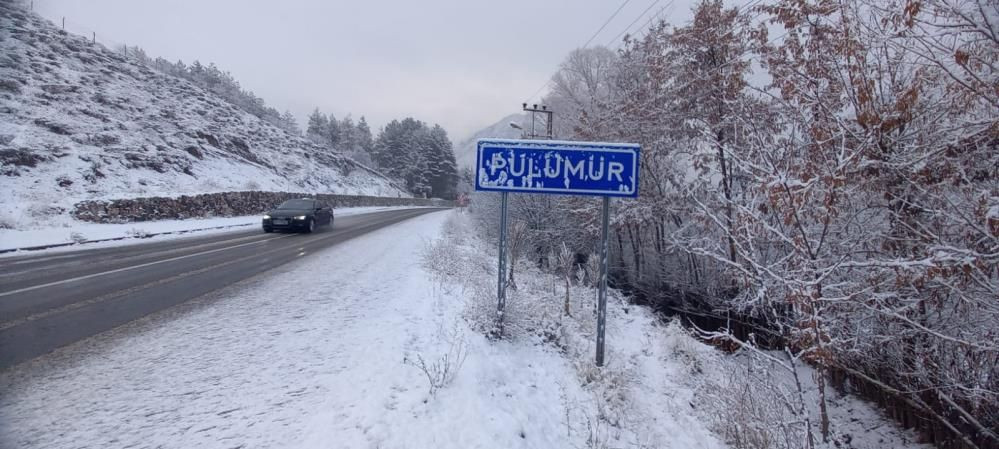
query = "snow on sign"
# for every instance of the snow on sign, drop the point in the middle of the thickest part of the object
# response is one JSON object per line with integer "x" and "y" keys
{"x": 551, "y": 166}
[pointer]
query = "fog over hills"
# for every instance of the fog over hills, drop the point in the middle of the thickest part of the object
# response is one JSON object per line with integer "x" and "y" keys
{"x": 464, "y": 152}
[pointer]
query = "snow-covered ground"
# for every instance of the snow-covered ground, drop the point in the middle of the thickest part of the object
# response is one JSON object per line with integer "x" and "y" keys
{"x": 245, "y": 367}
{"x": 325, "y": 352}
{"x": 140, "y": 232}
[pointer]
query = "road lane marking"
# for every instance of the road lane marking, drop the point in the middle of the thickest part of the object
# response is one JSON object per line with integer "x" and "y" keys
{"x": 125, "y": 291}
{"x": 119, "y": 270}
{"x": 119, "y": 293}
{"x": 83, "y": 254}
{"x": 41, "y": 259}
{"x": 322, "y": 238}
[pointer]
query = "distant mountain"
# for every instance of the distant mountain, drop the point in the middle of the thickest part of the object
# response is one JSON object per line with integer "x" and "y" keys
{"x": 78, "y": 122}
{"x": 464, "y": 152}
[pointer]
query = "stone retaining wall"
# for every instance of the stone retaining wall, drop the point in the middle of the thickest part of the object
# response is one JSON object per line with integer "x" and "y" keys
{"x": 224, "y": 204}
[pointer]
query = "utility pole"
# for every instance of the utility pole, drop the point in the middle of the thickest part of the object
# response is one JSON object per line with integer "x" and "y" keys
{"x": 534, "y": 110}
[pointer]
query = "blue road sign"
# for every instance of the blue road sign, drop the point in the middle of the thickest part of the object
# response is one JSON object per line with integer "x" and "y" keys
{"x": 550, "y": 166}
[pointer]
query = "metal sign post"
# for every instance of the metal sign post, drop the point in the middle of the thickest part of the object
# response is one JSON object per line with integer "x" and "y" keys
{"x": 501, "y": 280}
{"x": 602, "y": 295}
{"x": 558, "y": 167}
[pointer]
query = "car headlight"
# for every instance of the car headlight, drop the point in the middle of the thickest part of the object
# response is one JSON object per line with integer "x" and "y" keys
{"x": 300, "y": 217}
{"x": 267, "y": 217}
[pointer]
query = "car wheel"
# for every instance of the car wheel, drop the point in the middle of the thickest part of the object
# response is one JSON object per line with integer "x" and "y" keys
{"x": 312, "y": 226}
{"x": 268, "y": 230}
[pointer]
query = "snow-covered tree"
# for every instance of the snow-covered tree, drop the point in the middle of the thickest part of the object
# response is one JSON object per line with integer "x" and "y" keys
{"x": 332, "y": 133}
{"x": 317, "y": 126}
{"x": 421, "y": 156}
{"x": 364, "y": 138}
{"x": 348, "y": 135}
{"x": 289, "y": 123}
{"x": 847, "y": 207}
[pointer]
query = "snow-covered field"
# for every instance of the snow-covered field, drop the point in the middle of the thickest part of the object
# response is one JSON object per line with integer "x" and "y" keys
{"x": 132, "y": 233}
{"x": 325, "y": 352}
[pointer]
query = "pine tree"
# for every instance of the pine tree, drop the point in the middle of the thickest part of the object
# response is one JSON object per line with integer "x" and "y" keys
{"x": 332, "y": 132}
{"x": 421, "y": 156}
{"x": 289, "y": 123}
{"x": 389, "y": 143}
{"x": 197, "y": 72}
{"x": 364, "y": 138}
{"x": 442, "y": 169}
{"x": 348, "y": 135}
{"x": 318, "y": 124}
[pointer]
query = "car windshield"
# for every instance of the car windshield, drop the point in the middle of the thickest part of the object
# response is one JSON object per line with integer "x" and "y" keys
{"x": 296, "y": 204}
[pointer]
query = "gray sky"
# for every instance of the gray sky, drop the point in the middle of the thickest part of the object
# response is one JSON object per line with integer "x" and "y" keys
{"x": 463, "y": 64}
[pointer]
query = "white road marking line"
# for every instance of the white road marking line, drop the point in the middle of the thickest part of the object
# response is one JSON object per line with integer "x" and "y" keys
{"x": 112, "y": 295}
{"x": 119, "y": 270}
{"x": 119, "y": 293}
{"x": 169, "y": 250}
{"x": 42, "y": 259}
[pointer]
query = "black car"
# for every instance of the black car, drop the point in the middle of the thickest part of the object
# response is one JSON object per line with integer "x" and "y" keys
{"x": 305, "y": 214}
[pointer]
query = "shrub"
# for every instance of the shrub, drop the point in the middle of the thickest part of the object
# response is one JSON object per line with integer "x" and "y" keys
{"x": 441, "y": 371}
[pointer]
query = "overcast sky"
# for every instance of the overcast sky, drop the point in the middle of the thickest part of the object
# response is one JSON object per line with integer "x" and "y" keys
{"x": 461, "y": 63}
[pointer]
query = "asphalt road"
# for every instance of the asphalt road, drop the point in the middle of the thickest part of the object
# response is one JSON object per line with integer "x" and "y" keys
{"x": 54, "y": 299}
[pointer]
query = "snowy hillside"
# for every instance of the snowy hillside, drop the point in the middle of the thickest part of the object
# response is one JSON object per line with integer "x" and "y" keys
{"x": 464, "y": 152}
{"x": 78, "y": 122}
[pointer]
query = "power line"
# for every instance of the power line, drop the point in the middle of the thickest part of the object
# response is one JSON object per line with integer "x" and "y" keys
{"x": 647, "y": 28}
{"x": 744, "y": 7}
{"x": 538, "y": 91}
{"x": 739, "y": 10}
{"x": 648, "y": 25}
{"x": 640, "y": 16}
{"x": 650, "y": 102}
{"x": 619, "y": 8}
{"x": 588, "y": 41}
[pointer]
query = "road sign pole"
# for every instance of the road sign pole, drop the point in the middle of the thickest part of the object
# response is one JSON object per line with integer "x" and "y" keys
{"x": 602, "y": 296}
{"x": 553, "y": 167}
{"x": 501, "y": 281}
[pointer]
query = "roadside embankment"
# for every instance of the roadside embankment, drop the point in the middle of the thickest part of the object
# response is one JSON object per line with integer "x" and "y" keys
{"x": 223, "y": 204}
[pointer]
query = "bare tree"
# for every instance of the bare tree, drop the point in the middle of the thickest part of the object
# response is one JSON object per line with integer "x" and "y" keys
{"x": 516, "y": 239}
{"x": 566, "y": 264}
